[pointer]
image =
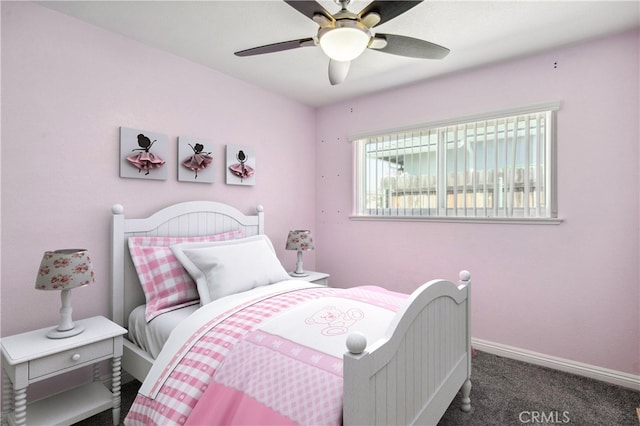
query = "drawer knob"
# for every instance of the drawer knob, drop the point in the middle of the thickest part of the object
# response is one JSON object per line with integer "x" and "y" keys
{"x": 75, "y": 357}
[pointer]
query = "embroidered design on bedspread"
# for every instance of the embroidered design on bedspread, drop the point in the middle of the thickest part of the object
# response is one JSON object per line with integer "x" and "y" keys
{"x": 334, "y": 320}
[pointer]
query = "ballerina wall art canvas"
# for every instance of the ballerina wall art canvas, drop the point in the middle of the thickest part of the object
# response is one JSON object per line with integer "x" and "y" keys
{"x": 143, "y": 154}
{"x": 241, "y": 165}
{"x": 195, "y": 158}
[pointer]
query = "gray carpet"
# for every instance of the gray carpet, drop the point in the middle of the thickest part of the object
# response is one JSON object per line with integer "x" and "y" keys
{"x": 509, "y": 392}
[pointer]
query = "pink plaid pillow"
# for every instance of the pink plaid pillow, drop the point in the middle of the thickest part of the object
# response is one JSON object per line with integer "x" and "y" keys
{"x": 166, "y": 284}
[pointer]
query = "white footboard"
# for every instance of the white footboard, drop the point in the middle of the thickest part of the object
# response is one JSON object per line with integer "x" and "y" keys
{"x": 412, "y": 375}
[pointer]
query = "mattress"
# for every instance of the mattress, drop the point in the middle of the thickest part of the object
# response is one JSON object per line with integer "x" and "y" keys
{"x": 152, "y": 336}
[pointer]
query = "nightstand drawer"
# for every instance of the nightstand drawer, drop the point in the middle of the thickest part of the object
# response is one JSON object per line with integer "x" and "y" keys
{"x": 69, "y": 359}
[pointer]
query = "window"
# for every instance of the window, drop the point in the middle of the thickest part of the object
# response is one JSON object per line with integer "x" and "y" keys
{"x": 498, "y": 166}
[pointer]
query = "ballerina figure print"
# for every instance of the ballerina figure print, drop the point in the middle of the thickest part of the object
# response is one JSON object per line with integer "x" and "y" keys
{"x": 241, "y": 169}
{"x": 145, "y": 160}
{"x": 199, "y": 160}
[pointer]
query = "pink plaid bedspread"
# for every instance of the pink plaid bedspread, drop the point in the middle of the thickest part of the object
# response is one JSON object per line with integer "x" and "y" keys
{"x": 274, "y": 360}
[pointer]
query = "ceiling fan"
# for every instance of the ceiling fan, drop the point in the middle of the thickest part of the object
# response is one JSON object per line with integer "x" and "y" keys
{"x": 345, "y": 35}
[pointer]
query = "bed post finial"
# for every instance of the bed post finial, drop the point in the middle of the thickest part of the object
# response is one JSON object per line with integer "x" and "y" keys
{"x": 117, "y": 209}
{"x": 465, "y": 277}
{"x": 356, "y": 342}
{"x": 260, "y": 208}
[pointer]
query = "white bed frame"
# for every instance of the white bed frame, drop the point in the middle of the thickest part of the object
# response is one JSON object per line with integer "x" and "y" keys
{"x": 410, "y": 377}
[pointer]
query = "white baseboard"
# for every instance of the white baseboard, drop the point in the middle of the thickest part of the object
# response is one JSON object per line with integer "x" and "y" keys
{"x": 594, "y": 372}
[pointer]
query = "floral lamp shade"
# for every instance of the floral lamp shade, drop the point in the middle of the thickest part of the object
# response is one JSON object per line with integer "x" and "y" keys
{"x": 63, "y": 270}
{"x": 299, "y": 240}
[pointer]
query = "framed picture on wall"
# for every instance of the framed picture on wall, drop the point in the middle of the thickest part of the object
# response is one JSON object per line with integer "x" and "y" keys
{"x": 143, "y": 154}
{"x": 195, "y": 160}
{"x": 241, "y": 165}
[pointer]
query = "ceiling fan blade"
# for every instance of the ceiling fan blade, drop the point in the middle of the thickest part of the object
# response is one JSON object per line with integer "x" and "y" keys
{"x": 309, "y": 8}
{"x": 277, "y": 47}
{"x": 388, "y": 9}
{"x": 411, "y": 47}
{"x": 338, "y": 71}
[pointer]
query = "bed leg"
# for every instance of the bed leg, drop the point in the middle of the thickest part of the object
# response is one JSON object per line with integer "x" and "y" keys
{"x": 466, "y": 400}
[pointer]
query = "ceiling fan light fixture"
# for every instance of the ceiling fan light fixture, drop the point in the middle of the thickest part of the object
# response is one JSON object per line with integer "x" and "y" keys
{"x": 344, "y": 43}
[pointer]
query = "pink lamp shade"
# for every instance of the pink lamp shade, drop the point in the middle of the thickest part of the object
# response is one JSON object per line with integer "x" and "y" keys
{"x": 299, "y": 240}
{"x": 63, "y": 270}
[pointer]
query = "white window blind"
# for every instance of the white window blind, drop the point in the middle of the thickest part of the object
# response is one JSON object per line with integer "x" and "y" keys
{"x": 497, "y": 166}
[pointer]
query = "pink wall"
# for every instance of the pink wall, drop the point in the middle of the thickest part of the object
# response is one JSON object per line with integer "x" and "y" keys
{"x": 569, "y": 290}
{"x": 67, "y": 87}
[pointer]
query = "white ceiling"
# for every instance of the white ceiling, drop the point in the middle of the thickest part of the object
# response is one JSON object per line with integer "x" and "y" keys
{"x": 477, "y": 32}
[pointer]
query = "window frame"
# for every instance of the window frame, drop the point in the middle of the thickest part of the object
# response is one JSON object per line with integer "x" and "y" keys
{"x": 550, "y": 162}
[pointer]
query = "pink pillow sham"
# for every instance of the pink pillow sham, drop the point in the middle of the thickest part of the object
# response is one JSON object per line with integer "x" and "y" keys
{"x": 166, "y": 284}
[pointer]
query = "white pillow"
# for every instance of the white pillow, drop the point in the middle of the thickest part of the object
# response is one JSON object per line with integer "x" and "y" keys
{"x": 228, "y": 267}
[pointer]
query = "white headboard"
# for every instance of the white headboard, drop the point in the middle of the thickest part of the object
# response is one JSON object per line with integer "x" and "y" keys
{"x": 184, "y": 219}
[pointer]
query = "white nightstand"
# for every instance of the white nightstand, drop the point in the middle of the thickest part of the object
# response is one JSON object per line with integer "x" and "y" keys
{"x": 314, "y": 277}
{"x": 32, "y": 356}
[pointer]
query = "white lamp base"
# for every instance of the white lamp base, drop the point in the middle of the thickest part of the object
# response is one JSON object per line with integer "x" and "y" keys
{"x": 299, "y": 272}
{"x": 55, "y": 334}
{"x": 66, "y": 327}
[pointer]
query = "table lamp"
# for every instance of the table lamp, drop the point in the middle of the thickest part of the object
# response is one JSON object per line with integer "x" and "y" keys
{"x": 299, "y": 240}
{"x": 63, "y": 270}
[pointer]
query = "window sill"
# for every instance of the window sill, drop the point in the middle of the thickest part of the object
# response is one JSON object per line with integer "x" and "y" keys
{"x": 486, "y": 220}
